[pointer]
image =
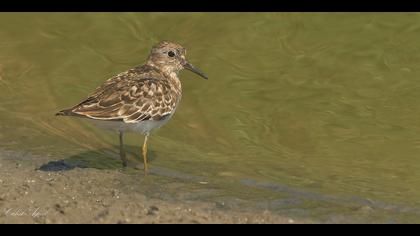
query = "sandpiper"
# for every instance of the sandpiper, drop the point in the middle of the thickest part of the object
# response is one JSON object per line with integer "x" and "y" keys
{"x": 138, "y": 100}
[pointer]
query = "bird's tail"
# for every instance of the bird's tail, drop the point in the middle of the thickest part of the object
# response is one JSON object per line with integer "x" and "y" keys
{"x": 69, "y": 112}
{"x": 66, "y": 112}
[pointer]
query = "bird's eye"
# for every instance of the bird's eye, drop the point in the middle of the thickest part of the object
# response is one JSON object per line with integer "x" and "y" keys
{"x": 171, "y": 54}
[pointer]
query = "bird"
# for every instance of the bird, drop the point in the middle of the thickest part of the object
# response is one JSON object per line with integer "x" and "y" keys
{"x": 140, "y": 99}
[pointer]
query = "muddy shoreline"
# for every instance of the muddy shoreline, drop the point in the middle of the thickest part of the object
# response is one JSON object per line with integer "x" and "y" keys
{"x": 29, "y": 194}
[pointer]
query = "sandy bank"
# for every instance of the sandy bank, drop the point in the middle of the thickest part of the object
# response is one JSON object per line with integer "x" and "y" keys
{"x": 86, "y": 195}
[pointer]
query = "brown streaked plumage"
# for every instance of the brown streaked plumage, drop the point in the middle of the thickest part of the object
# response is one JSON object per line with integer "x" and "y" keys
{"x": 140, "y": 99}
{"x": 141, "y": 93}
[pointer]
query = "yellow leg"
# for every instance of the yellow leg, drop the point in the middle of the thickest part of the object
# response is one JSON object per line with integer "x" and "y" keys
{"x": 122, "y": 151}
{"x": 145, "y": 154}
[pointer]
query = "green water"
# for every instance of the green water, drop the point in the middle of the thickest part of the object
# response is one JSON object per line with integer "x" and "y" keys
{"x": 312, "y": 114}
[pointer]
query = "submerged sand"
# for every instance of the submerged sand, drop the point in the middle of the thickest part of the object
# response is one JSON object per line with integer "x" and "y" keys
{"x": 86, "y": 195}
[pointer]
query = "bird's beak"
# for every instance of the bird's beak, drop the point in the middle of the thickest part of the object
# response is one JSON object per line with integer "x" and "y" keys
{"x": 190, "y": 67}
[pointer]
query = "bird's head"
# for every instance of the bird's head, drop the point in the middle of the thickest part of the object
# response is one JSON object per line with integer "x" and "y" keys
{"x": 171, "y": 57}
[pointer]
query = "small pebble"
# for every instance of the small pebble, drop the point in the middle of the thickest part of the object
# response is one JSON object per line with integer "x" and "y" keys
{"x": 152, "y": 210}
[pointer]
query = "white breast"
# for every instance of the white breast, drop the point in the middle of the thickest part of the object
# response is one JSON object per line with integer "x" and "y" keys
{"x": 143, "y": 127}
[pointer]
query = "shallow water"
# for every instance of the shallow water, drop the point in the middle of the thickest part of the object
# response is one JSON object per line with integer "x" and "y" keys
{"x": 311, "y": 114}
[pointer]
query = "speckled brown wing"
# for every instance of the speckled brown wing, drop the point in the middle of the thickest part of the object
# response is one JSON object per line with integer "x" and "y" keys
{"x": 129, "y": 99}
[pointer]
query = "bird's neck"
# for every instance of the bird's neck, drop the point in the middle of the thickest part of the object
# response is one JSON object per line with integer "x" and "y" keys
{"x": 169, "y": 73}
{"x": 164, "y": 69}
